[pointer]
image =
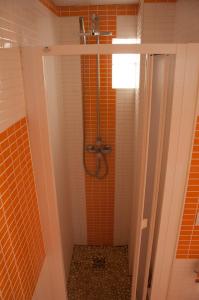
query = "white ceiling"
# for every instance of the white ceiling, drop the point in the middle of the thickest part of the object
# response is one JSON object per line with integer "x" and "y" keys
{"x": 93, "y": 2}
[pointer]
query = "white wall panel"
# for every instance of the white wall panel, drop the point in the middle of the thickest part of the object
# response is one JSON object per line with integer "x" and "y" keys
{"x": 53, "y": 81}
{"x": 73, "y": 131}
{"x": 124, "y": 165}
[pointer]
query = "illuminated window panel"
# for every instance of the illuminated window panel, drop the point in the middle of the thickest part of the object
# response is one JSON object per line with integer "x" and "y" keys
{"x": 125, "y": 67}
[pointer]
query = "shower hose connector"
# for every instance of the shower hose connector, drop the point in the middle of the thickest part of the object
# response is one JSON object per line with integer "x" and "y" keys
{"x": 100, "y": 150}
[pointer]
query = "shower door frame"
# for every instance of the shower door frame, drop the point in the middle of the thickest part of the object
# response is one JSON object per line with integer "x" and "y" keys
{"x": 185, "y": 109}
{"x": 186, "y": 57}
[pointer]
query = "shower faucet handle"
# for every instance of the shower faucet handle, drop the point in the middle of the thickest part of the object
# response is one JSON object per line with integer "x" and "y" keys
{"x": 101, "y": 148}
{"x": 106, "y": 149}
{"x": 90, "y": 148}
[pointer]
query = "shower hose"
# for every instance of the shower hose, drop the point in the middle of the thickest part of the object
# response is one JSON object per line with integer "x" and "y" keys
{"x": 100, "y": 156}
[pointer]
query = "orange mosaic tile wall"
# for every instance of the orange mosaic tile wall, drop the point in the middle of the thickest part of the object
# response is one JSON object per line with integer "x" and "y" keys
{"x": 160, "y": 1}
{"x": 99, "y": 193}
{"x": 21, "y": 244}
{"x": 104, "y": 11}
{"x": 188, "y": 244}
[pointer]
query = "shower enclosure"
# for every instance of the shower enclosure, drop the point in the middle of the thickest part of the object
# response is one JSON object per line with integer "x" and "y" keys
{"x": 171, "y": 75}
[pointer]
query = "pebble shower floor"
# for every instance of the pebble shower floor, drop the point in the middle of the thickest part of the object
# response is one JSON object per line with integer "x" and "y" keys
{"x": 99, "y": 273}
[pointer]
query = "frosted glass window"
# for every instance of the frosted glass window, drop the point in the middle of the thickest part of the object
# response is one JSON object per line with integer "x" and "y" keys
{"x": 125, "y": 67}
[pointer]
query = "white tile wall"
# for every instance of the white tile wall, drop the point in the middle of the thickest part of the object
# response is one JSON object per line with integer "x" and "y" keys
{"x": 69, "y": 30}
{"x": 187, "y": 21}
{"x": 25, "y": 22}
{"x": 21, "y": 23}
{"x": 126, "y": 27}
{"x": 12, "y": 102}
{"x": 158, "y": 22}
{"x": 170, "y": 22}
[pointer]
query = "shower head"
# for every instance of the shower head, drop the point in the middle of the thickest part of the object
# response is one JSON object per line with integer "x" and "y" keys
{"x": 81, "y": 24}
{"x": 94, "y": 23}
{"x": 94, "y": 28}
{"x": 95, "y": 31}
{"x": 82, "y": 29}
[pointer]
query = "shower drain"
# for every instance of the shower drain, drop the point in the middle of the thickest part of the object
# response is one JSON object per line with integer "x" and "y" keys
{"x": 99, "y": 262}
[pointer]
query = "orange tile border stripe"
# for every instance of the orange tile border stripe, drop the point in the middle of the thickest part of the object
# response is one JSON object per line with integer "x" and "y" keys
{"x": 80, "y": 10}
{"x": 112, "y": 9}
{"x": 188, "y": 243}
{"x": 117, "y": 9}
{"x": 100, "y": 194}
{"x": 21, "y": 243}
{"x": 77, "y": 10}
{"x": 160, "y": 1}
{"x": 103, "y": 10}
